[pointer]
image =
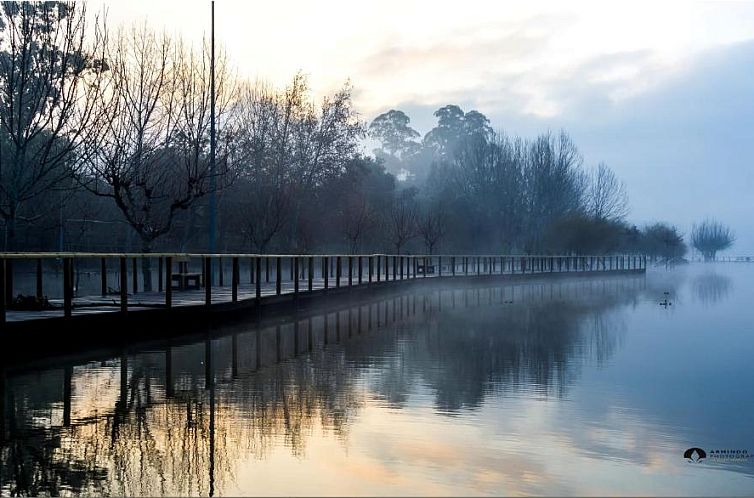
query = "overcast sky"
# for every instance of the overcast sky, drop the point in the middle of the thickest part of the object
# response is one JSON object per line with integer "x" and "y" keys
{"x": 661, "y": 91}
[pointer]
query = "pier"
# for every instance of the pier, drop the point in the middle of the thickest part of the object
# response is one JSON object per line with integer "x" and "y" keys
{"x": 46, "y": 288}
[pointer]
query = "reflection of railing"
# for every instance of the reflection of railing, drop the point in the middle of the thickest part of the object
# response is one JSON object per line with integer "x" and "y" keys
{"x": 314, "y": 271}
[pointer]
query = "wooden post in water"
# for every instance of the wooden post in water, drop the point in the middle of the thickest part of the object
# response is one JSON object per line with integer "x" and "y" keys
{"x": 278, "y": 274}
{"x": 234, "y": 279}
{"x": 123, "y": 285}
{"x": 168, "y": 282}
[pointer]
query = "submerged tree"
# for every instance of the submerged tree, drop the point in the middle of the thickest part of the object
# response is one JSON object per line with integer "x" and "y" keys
{"x": 711, "y": 236}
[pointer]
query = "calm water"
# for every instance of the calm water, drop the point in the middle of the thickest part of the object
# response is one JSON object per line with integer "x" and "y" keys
{"x": 571, "y": 386}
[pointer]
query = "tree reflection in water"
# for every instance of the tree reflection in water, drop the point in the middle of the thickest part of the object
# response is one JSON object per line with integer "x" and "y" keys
{"x": 178, "y": 421}
{"x": 711, "y": 288}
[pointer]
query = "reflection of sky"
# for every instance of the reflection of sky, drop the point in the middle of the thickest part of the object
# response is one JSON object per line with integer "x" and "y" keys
{"x": 461, "y": 402}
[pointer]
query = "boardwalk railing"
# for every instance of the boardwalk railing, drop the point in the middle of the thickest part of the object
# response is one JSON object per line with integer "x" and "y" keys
{"x": 264, "y": 275}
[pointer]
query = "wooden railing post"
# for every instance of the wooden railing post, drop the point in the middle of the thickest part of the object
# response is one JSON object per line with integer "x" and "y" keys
{"x": 350, "y": 271}
{"x": 134, "y": 275}
{"x": 8, "y": 281}
{"x": 103, "y": 276}
{"x": 234, "y": 278}
{"x": 453, "y": 266}
{"x": 168, "y": 282}
{"x": 395, "y": 267}
{"x": 278, "y": 274}
{"x": 439, "y": 266}
{"x": 295, "y": 272}
{"x": 337, "y": 271}
{"x": 258, "y": 282}
{"x": 67, "y": 287}
{"x": 3, "y": 305}
{"x": 370, "y": 268}
{"x": 310, "y": 275}
{"x": 159, "y": 273}
{"x": 39, "y": 286}
{"x": 251, "y": 271}
{"x": 400, "y": 262}
{"x": 379, "y": 268}
{"x": 267, "y": 270}
{"x": 123, "y": 285}
{"x": 208, "y": 285}
{"x": 387, "y": 268}
{"x": 361, "y": 269}
{"x": 327, "y": 270}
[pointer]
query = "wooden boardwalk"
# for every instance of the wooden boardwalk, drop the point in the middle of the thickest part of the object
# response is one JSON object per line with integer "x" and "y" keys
{"x": 330, "y": 273}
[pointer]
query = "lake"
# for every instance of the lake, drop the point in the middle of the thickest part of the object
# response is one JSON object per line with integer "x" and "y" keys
{"x": 548, "y": 386}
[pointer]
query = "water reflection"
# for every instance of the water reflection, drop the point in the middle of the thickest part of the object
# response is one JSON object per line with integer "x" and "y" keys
{"x": 710, "y": 288}
{"x": 179, "y": 420}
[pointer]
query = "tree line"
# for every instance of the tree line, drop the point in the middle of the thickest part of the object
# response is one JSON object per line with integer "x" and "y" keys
{"x": 105, "y": 145}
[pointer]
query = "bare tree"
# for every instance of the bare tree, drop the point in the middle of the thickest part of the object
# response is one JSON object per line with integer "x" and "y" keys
{"x": 265, "y": 209}
{"x": 152, "y": 159}
{"x": 50, "y": 79}
{"x": 607, "y": 198}
{"x": 432, "y": 225}
{"x": 357, "y": 218}
{"x": 711, "y": 236}
{"x": 401, "y": 221}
